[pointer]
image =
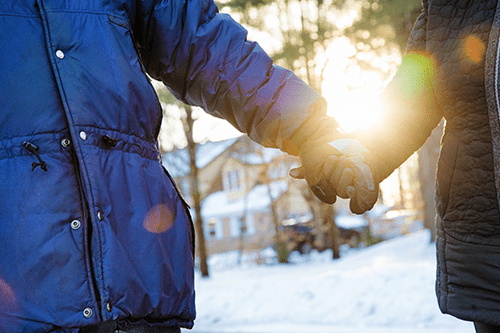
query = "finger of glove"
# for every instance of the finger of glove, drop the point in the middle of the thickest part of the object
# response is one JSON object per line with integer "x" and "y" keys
{"x": 354, "y": 207}
{"x": 364, "y": 201}
{"x": 339, "y": 175}
{"x": 330, "y": 166}
{"x": 351, "y": 191}
{"x": 366, "y": 187}
{"x": 324, "y": 191}
{"x": 346, "y": 180}
{"x": 367, "y": 198}
{"x": 296, "y": 173}
{"x": 335, "y": 169}
{"x": 364, "y": 177}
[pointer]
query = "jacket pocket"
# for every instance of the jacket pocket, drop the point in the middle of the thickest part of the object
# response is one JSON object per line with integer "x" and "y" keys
{"x": 122, "y": 22}
{"x": 445, "y": 171}
{"x": 186, "y": 209}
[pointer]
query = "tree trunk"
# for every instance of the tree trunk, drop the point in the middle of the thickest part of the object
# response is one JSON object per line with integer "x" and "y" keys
{"x": 279, "y": 242}
{"x": 316, "y": 208}
{"x": 328, "y": 214}
{"x": 243, "y": 220}
{"x": 198, "y": 225}
{"x": 402, "y": 203}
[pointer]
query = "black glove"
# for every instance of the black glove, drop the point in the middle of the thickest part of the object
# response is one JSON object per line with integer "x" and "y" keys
{"x": 339, "y": 168}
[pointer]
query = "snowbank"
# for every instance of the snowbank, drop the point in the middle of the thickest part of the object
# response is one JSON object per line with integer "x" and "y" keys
{"x": 386, "y": 288}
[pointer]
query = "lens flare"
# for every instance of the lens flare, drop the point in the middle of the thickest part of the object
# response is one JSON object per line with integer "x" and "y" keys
{"x": 474, "y": 48}
{"x": 416, "y": 75}
{"x": 159, "y": 219}
{"x": 7, "y": 296}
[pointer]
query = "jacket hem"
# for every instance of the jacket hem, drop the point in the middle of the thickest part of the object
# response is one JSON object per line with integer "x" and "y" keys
{"x": 472, "y": 291}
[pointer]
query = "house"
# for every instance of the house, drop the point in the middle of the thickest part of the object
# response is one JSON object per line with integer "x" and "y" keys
{"x": 244, "y": 188}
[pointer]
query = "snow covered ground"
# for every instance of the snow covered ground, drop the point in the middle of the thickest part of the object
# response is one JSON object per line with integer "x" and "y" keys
{"x": 386, "y": 288}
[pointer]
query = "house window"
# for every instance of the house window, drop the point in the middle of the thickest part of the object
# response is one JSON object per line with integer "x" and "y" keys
{"x": 235, "y": 226}
{"x": 214, "y": 229}
{"x": 232, "y": 180}
{"x": 238, "y": 223}
{"x": 250, "y": 224}
{"x": 211, "y": 228}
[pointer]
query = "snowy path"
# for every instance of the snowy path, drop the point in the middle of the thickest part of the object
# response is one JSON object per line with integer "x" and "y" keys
{"x": 386, "y": 288}
{"x": 467, "y": 328}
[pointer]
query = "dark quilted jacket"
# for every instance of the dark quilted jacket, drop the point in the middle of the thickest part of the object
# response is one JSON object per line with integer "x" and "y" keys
{"x": 451, "y": 71}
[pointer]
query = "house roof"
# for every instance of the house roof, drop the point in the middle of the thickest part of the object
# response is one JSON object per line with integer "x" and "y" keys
{"x": 177, "y": 161}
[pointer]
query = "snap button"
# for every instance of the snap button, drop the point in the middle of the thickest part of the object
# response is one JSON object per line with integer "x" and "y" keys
{"x": 87, "y": 313}
{"x": 60, "y": 54}
{"x": 65, "y": 142}
{"x": 100, "y": 216}
{"x": 75, "y": 224}
{"x": 83, "y": 135}
{"x": 109, "y": 307}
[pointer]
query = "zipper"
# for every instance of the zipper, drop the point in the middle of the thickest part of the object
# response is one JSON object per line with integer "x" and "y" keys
{"x": 80, "y": 172}
{"x": 88, "y": 232}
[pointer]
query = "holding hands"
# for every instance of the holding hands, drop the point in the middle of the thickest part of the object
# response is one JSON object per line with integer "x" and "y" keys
{"x": 338, "y": 168}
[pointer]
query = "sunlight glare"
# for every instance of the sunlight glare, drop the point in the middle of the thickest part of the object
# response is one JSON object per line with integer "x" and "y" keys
{"x": 360, "y": 109}
{"x": 352, "y": 93}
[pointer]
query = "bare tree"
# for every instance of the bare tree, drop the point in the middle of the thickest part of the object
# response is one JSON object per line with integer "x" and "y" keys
{"x": 267, "y": 178}
{"x": 333, "y": 231}
{"x": 247, "y": 186}
{"x": 195, "y": 190}
{"x": 188, "y": 124}
{"x": 306, "y": 28}
{"x": 250, "y": 154}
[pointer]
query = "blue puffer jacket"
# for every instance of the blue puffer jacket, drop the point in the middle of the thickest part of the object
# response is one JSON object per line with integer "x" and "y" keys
{"x": 91, "y": 226}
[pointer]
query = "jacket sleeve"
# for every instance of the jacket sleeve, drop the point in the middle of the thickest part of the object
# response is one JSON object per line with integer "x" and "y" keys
{"x": 410, "y": 110}
{"x": 205, "y": 59}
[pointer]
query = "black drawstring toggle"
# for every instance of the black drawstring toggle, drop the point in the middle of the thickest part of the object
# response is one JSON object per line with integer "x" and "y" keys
{"x": 34, "y": 150}
{"x": 108, "y": 141}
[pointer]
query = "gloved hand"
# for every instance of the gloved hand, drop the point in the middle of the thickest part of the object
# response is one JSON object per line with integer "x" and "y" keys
{"x": 339, "y": 168}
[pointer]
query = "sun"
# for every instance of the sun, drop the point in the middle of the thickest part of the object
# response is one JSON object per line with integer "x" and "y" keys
{"x": 359, "y": 109}
{"x": 352, "y": 93}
